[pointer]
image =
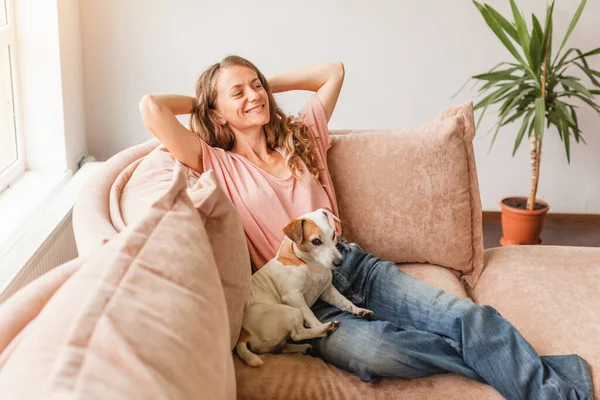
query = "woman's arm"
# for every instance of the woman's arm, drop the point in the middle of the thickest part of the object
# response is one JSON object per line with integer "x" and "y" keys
{"x": 325, "y": 79}
{"x": 158, "y": 112}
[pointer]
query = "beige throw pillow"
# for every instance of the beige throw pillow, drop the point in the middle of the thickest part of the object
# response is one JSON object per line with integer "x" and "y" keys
{"x": 144, "y": 317}
{"x": 411, "y": 195}
{"x": 143, "y": 182}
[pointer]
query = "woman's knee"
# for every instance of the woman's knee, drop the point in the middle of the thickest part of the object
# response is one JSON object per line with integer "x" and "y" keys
{"x": 371, "y": 356}
{"x": 387, "y": 359}
{"x": 474, "y": 318}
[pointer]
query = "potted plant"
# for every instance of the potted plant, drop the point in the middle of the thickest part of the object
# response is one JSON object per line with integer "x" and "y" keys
{"x": 535, "y": 87}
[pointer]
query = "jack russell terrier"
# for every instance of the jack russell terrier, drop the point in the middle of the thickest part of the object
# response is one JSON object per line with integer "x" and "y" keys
{"x": 284, "y": 289}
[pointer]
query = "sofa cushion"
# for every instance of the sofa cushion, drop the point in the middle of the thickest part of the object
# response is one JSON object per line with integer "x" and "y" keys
{"x": 296, "y": 376}
{"x": 300, "y": 377}
{"x": 145, "y": 180}
{"x": 24, "y": 306}
{"x": 550, "y": 294}
{"x": 436, "y": 276}
{"x": 411, "y": 195}
{"x": 142, "y": 318}
{"x": 91, "y": 217}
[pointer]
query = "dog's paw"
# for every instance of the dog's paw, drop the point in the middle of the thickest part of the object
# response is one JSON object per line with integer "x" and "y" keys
{"x": 332, "y": 326}
{"x": 307, "y": 349}
{"x": 363, "y": 313}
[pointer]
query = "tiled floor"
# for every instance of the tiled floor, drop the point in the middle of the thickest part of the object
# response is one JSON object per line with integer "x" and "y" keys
{"x": 555, "y": 235}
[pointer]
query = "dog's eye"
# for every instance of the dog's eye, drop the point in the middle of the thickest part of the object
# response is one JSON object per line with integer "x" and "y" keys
{"x": 316, "y": 242}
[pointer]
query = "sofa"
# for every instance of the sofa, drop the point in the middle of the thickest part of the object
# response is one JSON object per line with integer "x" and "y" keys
{"x": 409, "y": 195}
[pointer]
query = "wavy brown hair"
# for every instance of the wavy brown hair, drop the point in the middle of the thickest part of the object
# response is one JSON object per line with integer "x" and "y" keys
{"x": 286, "y": 132}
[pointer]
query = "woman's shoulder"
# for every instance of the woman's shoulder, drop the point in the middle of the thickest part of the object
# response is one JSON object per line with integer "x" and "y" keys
{"x": 207, "y": 148}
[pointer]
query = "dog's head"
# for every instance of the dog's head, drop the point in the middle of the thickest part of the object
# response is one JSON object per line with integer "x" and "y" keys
{"x": 315, "y": 237}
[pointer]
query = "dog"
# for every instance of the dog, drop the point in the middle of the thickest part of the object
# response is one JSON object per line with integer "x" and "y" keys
{"x": 284, "y": 289}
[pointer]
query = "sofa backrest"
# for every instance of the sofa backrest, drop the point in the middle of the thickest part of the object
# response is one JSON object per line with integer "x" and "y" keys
{"x": 407, "y": 196}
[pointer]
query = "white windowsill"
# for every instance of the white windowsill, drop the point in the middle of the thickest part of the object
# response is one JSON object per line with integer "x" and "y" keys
{"x": 24, "y": 201}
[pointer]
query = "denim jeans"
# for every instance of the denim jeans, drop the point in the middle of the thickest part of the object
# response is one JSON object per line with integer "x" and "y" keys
{"x": 419, "y": 330}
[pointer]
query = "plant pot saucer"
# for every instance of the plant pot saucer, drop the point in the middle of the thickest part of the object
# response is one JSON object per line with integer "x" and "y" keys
{"x": 504, "y": 242}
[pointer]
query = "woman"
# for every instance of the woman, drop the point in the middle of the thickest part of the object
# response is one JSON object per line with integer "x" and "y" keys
{"x": 267, "y": 161}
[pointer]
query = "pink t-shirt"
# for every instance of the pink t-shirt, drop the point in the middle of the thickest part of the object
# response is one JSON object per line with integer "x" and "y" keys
{"x": 266, "y": 204}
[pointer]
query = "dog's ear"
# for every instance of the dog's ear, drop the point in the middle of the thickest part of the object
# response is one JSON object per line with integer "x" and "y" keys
{"x": 327, "y": 211}
{"x": 295, "y": 230}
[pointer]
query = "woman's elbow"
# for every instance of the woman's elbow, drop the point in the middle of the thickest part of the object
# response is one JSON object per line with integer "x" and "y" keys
{"x": 338, "y": 70}
{"x": 147, "y": 104}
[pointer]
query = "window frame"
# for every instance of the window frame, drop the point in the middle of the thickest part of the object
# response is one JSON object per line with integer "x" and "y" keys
{"x": 8, "y": 38}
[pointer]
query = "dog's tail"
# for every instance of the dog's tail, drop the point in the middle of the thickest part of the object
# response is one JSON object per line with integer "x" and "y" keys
{"x": 244, "y": 352}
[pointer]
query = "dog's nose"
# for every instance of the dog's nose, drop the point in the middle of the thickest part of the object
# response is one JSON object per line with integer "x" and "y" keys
{"x": 338, "y": 262}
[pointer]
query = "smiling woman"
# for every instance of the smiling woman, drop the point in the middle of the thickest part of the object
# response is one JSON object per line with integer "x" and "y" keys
{"x": 263, "y": 158}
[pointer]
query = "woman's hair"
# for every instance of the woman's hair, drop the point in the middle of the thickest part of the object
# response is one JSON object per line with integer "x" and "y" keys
{"x": 287, "y": 132}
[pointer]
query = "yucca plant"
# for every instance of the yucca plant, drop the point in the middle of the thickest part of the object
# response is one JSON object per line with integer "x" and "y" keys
{"x": 537, "y": 85}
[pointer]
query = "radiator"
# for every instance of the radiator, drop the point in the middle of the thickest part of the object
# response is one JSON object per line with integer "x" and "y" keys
{"x": 49, "y": 242}
{"x": 58, "y": 249}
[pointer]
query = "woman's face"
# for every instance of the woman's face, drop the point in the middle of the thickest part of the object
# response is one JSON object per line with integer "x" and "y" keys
{"x": 242, "y": 102}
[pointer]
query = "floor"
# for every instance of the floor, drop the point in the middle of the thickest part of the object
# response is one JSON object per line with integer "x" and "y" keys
{"x": 555, "y": 235}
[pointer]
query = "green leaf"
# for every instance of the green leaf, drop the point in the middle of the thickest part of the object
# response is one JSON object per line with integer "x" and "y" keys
{"x": 548, "y": 36}
{"x": 573, "y": 23}
{"x": 570, "y": 93}
{"x": 496, "y": 28}
{"x": 522, "y": 131}
{"x": 516, "y": 99}
{"x": 562, "y": 62}
{"x": 531, "y": 127}
{"x": 507, "y": 26}
{"x": 564, "y": 132}
{"x": 589, "y": 53}
{"x": 564, "y": 113}
{"x": 574, "y": 118}
{"x": 584, "y": 66}
{"x": 590, "y": 73}
{"x": 553, "y": 119}
{"x": 585, "y": 99}
{"x": 535, "y": 47}
{"x": 481, "y": 117}
{"x": 521, "y": 28}
{"x": 572, "y": 84}
{"x": 540, "y": 117}
{"x": 505, "y": 74}
{"x": 537, "y": 27}
{"x": 492, "y": 98}
{"x": 491, "y": 70}
{"x": 513, "y": 117}
{"x": 567, "y": 145}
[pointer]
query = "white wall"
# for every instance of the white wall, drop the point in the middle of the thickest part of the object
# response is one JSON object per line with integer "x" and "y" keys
{"x": 404, "y": 60}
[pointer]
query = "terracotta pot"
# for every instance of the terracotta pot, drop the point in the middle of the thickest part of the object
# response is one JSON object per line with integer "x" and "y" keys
{"x": 522, "y": 226}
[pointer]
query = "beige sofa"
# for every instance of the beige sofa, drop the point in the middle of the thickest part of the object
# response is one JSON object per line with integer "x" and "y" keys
{"x": 549, "y": 293}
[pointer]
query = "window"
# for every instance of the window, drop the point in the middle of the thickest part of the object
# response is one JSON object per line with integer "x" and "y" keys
{"x": 12, "y": 162}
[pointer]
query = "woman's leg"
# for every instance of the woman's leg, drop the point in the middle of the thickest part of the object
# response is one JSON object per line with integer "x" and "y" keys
{"x": 373, "y": 348}
{"x": 487, "y": 343}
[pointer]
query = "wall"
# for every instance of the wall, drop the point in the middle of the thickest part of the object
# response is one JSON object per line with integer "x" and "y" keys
{"x": 404, "y": 60}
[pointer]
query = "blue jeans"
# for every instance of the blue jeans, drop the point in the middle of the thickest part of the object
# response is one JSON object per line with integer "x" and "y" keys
{"x": 419, "y": 330}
